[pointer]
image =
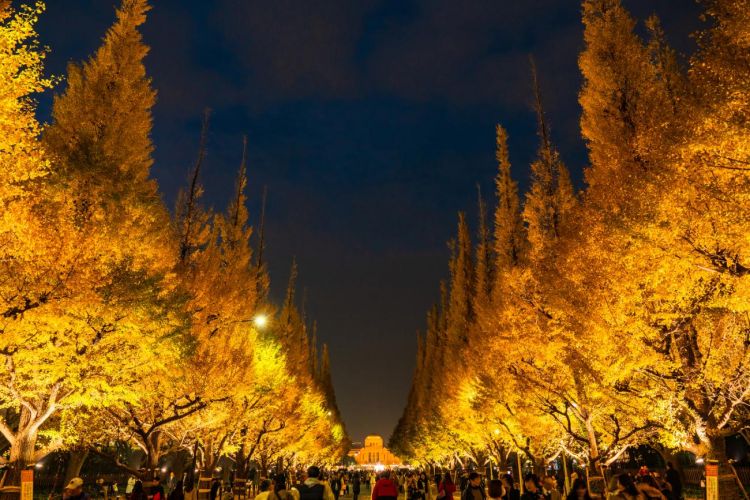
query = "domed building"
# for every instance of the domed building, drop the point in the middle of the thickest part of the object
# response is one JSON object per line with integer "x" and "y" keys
{"x": 373, "y": 453}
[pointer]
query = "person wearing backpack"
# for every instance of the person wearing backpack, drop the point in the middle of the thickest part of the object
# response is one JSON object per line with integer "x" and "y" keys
{"x": 313, "y": 488}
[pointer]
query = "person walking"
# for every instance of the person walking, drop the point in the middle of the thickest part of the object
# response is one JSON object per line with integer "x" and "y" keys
{"x": 473, "y": 490}
{"x": 649, "y": 488}
{"x": 171, "y": 483}
{"x": 177, "y": 492}
{"x": 215, "y": 492}
{"x": 549, "y": 488}
{"x": 674, "y": 480}
{"x": 495, "y": 489}
{"x": 511, "y": 492}
{"x": 447, "y": 488}
{"x": 138, "y": 492}
{"x": 412, "y": 488}
{"x": 432, "y": 488}
{"x": 626, "y": 489}
{"x": 130, "y": 485}
{"x": 157, "y": 492}
{"x": 384, "y": 488}
{"x": 264, "y": 489}
{"x": 314, "y": 488}
{"x": 190, "y": 487}
{"x": 463, "y": 481}
{"x": 532, "y": 487}
{"x": 663, "y": 485}
{"x": 579, "y": 491}
{"x": 252, "y": 477}
{"x": 74, "y": 490}
{"x": 355, "y": 485}
{"x": 423, "y": 486}
{"x": 336, "y": 485}
{"x": 279, "y": 490}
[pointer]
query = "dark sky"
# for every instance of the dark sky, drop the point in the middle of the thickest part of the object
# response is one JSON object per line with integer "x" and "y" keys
{"x": 370, "y": 121}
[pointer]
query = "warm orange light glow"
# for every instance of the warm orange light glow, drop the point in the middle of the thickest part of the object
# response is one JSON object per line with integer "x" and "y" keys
{"x": 261, "y": 320}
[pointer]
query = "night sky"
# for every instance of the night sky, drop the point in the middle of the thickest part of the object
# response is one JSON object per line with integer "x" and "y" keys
{"x": 371, "y": 122}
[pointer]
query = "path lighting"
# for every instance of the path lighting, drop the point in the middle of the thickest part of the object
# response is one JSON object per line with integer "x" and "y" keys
{"x": 260, "y": 321}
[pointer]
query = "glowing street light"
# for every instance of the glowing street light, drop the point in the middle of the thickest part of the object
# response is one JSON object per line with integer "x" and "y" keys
{"x": 260, "y": 321}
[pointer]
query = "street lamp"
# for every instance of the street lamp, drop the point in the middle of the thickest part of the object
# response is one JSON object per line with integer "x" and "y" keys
{"x": 260, "y": 321}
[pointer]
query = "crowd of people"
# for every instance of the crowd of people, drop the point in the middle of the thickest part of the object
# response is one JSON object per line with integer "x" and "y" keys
{"x": 644, "y": 485}
{"x": 316, "y": 484}
{"x": 419, "y": 485}
{"x": 649, "y": 485}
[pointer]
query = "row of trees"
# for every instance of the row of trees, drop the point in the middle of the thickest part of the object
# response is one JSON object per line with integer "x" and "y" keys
{"x": 122, "y": 324}
{"x": 591, "y": 322}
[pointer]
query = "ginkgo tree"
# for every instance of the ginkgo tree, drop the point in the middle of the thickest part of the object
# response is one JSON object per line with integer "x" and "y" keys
{"x": 618, "y": 317}
{"x": 84, "y": 304}
{"x": 122, "y": 326}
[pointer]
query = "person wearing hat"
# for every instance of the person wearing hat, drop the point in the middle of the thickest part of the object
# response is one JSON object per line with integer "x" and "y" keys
{"x": 74, "y": 490}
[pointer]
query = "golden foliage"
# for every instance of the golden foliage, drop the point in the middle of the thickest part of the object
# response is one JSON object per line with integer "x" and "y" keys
{"x": 117, "y": 323}
{"x": 623, "y": 320}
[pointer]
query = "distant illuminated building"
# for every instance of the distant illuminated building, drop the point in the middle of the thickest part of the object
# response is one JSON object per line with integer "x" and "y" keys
{"x": 374, "y": 453}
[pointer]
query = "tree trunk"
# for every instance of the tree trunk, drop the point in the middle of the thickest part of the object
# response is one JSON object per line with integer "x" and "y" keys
{"x": 23, "y": 448}
{"x": 22, "y": 451}
{"x": 76, "y": 459}
{"x": 21, "y": 456}
{"x": 728, "y": 487}
{"x": 210, "y": 463}
{"x": 153, "y": 455}
{"x": 241, "y": 461}
{"x": 718, "y": 450}
{"x": 540, "y": 467}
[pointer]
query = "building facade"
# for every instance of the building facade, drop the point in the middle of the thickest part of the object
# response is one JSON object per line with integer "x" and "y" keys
{"x": 374, "y": 453}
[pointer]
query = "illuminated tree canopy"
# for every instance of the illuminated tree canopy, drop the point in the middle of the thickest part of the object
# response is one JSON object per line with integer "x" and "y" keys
{"x": 618, "y": 315}
{"x": 123, "y": 324}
